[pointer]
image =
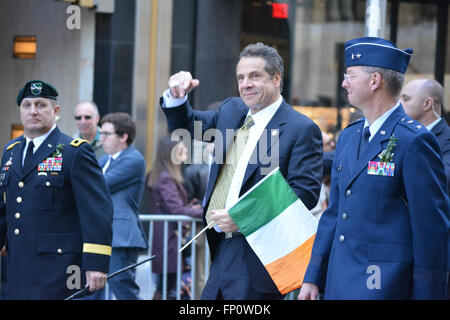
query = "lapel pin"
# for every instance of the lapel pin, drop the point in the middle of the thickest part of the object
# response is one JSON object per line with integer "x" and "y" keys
{"x": 419, "y": 126}
{"x": 410, "y": 121}
{"x": 383, "y": 132}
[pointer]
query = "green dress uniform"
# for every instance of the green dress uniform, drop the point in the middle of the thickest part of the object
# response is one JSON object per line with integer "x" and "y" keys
{"x": 55, "y": 217}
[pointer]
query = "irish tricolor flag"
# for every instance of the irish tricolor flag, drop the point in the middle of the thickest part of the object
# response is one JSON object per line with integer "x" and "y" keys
{"x": 279, "y": 228}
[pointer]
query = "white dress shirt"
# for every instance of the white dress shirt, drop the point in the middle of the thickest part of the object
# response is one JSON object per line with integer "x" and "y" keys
{"x": 261, "y": 119}
{"x": 376, "y": 125}
{"x": 433, "y": 124}
{"x": 37, "y": 142}
{"x": 113, "y": 157}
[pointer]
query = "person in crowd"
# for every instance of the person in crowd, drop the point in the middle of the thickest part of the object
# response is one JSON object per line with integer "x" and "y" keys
{"x": 55, "y": 211}
{"x": 168, "y": 196}
{"x": 87, "y": 118}
{"x": 124, "y": 170}
{"x": 328, "y": 153}
{"x": 195, "y": 180}
{"x": 290, "y": 140}
{"x": 423, "y": 100}
{"x": 379, "y": 239}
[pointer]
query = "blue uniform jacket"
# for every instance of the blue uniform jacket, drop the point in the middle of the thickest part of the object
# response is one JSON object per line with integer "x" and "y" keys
{"x": 442, "y": 133}
{"x": 125, "y": 179}
{"x": 52, "y": 218}
{"x": 384, "y": 237}
{"x": 291, "y": 141}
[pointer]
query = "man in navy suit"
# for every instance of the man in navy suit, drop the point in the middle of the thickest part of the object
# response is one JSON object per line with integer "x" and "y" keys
{"x": 423, "y": 101}
{"x": 55, "y": 211}
{"x": 277, "y": 136}
{"x": 385, "y": 233}
{"x": 124, "y": 170}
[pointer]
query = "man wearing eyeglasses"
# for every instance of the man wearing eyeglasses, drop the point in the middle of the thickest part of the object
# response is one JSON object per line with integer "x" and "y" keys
{"x": 87, "y": 117}
{"x": 385, "y": 232}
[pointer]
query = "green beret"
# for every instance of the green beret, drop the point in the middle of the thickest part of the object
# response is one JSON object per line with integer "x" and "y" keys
{"x": 36, "y": 89}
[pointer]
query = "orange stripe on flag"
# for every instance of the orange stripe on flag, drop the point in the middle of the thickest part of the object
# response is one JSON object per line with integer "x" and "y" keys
{"x": 288, "y": 271}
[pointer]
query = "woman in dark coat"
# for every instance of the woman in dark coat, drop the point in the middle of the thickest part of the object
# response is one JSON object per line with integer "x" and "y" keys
{"x": 168, "y": 196}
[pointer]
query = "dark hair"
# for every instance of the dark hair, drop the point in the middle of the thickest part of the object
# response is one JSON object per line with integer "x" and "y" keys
{"x": 122, "y": 123}
{"x": 164, "y": 161}
{"x": 274, "y": 62}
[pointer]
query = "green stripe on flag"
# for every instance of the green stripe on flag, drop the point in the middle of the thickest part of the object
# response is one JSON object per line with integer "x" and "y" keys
{"x": 262, "y": 204}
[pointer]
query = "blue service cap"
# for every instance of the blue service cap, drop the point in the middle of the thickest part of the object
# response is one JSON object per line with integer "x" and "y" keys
{"x": 376, "y": 52}
{"x": 36, "y": 89}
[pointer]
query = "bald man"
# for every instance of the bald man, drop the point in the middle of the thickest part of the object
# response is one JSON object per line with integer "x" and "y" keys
{"x": 87, "y": 118}
{"x": 423, "y": 101}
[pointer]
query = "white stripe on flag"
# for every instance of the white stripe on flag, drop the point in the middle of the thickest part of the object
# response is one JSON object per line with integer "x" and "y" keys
{"x": 283, "y": 234}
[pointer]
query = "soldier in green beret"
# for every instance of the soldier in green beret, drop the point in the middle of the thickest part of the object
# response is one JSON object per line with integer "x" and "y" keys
{"x": 55, "y": 211}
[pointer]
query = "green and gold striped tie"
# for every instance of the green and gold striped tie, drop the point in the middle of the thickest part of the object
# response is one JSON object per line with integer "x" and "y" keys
{"x": 220, "y": 193}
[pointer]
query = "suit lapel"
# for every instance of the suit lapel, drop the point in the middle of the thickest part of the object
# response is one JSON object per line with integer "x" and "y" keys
{"x": 44, "y": 151}
{"x": 234, "y": 121}
{"x": 375, "y": 146}
{"x": 114, "y": 162}
{"x": 269, "y": 137}
{"x": 438, "y": 128}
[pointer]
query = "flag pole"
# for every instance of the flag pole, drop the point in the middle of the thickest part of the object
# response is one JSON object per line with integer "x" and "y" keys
{"x": 209, "y": 226}
{"x": 85, "y": 289}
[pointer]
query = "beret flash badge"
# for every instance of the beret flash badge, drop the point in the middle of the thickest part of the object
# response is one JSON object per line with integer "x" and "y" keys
{"x": 36, "y": 88}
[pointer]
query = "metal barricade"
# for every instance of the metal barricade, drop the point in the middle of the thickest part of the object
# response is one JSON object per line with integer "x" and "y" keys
{"x": 179, "y": 219}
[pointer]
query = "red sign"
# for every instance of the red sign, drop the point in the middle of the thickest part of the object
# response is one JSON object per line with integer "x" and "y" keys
{"x": 280, "y": 10}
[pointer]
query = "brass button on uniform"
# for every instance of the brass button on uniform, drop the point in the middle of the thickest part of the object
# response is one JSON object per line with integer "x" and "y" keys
{"x": 17, "y": 215}
{"x": 341, "y": 238}
{"x": 48, "y": 184}
{"x": 344, "y": 216}
{"x": 348, "y": 192}
{"x": 59, "y": 251}
{"x": 19, "y": 199}
{"x": 16, "y": 231}
{"x": 21, "y": 184}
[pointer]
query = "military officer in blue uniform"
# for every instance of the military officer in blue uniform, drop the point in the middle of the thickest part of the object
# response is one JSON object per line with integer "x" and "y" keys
{"x": 385, "y": 233}
{"x": 55, "y": 209}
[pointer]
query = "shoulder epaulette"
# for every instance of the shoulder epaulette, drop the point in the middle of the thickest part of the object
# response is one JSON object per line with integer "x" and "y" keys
{"x": 355, "y": 122}
{"x": 12, "y": 145}
{"x": 412, "y": 124}
{"x": 77, "y": 142}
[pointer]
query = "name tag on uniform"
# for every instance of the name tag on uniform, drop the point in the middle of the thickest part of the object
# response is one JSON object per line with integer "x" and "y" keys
{"x": 51, "y": 164}
{"x": 381, "y": 168}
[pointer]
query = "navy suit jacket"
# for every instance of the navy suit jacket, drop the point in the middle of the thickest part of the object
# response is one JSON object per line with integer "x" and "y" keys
{"x": 52, "y": 220}
{"x": 384, "y": 237}
{"x": 442, "y": 132}
{"x": 292, "y": 141}
{"x": 125, "y": 180}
